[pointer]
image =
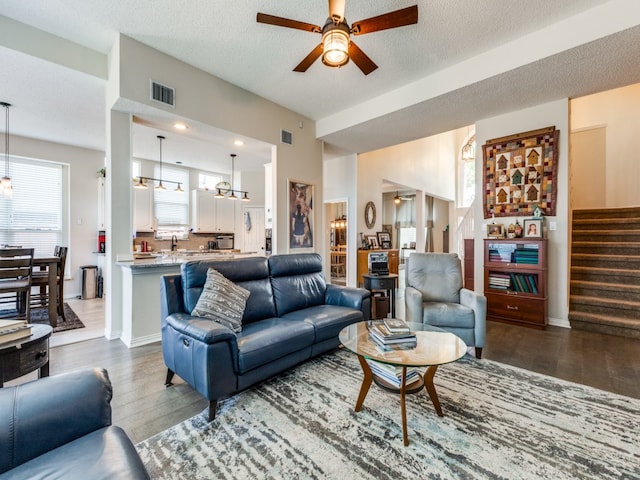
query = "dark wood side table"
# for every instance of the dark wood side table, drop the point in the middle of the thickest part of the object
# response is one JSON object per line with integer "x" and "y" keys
{"x": 386, "y": 283}
{"x": 26, "y": 355}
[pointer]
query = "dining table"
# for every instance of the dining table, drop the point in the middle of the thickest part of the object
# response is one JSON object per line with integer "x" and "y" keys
{"x": 51, "y": 264}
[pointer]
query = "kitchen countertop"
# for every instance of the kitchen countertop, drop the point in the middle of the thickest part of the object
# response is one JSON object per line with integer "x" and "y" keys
{"x": 160, "y": 260}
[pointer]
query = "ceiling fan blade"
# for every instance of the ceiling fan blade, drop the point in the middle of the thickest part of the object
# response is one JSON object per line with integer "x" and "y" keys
{"x": 361, "y": 59}
{"x": 286, "y": 22}
{"x": 336, "y": 10}
{"x": 309, "y": 59}
{"x": 397, "y": 18}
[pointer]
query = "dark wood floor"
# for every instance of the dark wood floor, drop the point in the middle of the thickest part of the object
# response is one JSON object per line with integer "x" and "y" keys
{"x": 601, "y": 361}
{"x": 143, "y": 407}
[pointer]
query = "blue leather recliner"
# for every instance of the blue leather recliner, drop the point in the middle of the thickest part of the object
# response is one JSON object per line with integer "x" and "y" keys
{"x": 60, "y": 427}
{"x": 291, "y": 315}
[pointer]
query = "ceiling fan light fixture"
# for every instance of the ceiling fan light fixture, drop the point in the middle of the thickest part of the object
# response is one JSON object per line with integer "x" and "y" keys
{"x": 335, "y": 45}
{"x": 397, "y": 199}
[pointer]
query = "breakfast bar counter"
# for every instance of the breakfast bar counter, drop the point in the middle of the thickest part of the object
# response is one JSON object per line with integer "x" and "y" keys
{"x": 141, "y": 291}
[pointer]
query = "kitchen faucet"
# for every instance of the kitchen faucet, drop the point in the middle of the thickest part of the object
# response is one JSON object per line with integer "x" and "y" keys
{"x": 174, "y": 242}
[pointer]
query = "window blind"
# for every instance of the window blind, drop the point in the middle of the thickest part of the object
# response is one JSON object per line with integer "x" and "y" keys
{"x": 32, "y": 216}
{"x": 172, "y": 208}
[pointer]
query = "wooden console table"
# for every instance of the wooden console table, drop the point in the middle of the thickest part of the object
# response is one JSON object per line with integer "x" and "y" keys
{"x": 363, "y": 262}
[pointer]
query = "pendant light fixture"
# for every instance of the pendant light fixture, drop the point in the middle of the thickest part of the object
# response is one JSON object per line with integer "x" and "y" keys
{"x": 232, "y": 195}
{"x": 468, "y": 151}
{"x": 160, "y": 186}
{"x": 397, "y": 199}
{"x": 224, "y": 187}
{"x": 5, "y": 183}
{"x": 141, "y": 183}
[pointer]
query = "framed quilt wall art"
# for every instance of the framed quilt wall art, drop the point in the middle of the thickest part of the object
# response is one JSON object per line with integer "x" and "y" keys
{"x": 520, "y": 174}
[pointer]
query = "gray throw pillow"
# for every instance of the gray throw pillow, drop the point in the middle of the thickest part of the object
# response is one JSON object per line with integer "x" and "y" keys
{"x": 222, "y": 301}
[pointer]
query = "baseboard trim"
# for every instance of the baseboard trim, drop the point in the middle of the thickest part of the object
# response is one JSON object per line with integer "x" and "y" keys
{"x": 139, "y": 341}
{"x": 559, "y": 322}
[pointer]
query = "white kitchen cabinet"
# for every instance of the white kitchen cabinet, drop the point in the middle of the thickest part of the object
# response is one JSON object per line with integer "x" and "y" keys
{"x": 210, "y": 214}
{"x": 225, "y": 215}
{"x": 203, "y": 211}
{"x": 143, "y": 218}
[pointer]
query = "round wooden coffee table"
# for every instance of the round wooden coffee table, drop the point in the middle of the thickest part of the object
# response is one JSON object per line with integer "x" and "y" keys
{"x": 26, "y": 355}
{"x": 434, "y": 347}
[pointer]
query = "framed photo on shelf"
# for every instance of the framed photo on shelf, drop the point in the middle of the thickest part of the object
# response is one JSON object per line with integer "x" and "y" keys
{"x": 495, "y": 230}
{"x": 385, "y": 245}
{"x": 383, "y": 237}
{"x": 372, "y": 240}
{"x": 532, "y": 228}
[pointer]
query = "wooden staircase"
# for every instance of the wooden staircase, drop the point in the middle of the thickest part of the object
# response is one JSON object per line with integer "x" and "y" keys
{"x": 605, "y": 271}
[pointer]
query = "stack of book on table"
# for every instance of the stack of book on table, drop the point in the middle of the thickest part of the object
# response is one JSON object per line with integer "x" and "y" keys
{"x": 392, "y": 332}
{"x": 12, "y": 330}
{"x": 393, "y": 374}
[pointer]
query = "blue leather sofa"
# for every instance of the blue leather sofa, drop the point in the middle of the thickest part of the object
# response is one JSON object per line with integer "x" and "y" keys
{"x": 60, "y": 427}
{"x": 291, "y": 315}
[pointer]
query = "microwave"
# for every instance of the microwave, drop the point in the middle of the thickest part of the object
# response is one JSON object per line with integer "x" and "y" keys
{"x": 224, "y": 242}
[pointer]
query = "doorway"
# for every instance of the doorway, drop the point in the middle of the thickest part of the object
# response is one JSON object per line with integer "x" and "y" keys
{"x": 253, "y": 230}
{"x": 337, "y": 218}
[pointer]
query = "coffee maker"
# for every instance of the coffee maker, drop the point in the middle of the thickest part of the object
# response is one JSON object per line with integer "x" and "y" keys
{"x": 102, "y": 242}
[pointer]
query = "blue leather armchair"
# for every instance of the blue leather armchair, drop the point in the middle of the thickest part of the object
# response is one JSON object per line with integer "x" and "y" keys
{"x": 434, "y": 295}
{"x": 291, "y": 315}
{"x": 60, "y": 427}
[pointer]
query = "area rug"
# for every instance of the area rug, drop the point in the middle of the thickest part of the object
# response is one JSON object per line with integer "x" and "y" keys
{"x": 41, "y": 315}
{"x": 499, "y": 422}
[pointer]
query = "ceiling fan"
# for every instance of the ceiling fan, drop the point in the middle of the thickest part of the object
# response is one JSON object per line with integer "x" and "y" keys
{"x": 399, "y": 198}
{"x": 336, "y": 47}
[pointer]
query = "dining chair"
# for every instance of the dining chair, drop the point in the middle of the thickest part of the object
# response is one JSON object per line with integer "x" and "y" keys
{"x": 40, "y": 279}
{"x": 15, "y": 282}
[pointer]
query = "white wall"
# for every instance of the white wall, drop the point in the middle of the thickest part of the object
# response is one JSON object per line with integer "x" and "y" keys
{"x": 554, "y": 113}
{"x": 340, "y": 185}
{"x": 617, "y": 112}
{"x": 83, "y": 202}
{"x": 427, "y": 165}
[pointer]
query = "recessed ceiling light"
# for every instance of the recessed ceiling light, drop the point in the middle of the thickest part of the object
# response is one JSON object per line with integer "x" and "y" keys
{"x": 238, "y": 143}
{"x": 180, "y": 126}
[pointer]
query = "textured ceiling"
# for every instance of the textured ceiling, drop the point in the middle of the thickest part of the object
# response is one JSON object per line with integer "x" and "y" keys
{"x": 224, "y": 39}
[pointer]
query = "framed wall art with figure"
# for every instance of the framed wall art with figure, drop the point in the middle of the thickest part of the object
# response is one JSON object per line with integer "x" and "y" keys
{"x": 300, "y": 215}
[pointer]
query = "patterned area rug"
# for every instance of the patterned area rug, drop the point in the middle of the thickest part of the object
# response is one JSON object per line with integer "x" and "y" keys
{"x": 41, "y": 315}
{"x": 500, "y": 422}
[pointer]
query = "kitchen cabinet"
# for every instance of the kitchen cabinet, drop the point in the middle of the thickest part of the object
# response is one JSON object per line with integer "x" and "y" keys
{"x": 225, "y": 215}
{"x": 143, "y": 218}
{"x": 210, "y": 214}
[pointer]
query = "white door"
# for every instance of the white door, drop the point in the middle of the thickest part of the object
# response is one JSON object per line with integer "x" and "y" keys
{"x": 253, "y": 230}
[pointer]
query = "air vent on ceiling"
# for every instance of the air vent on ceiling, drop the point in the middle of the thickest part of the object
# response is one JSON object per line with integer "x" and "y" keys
{"x": 163, "y": 94}
{"x": 286, "y": 137}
